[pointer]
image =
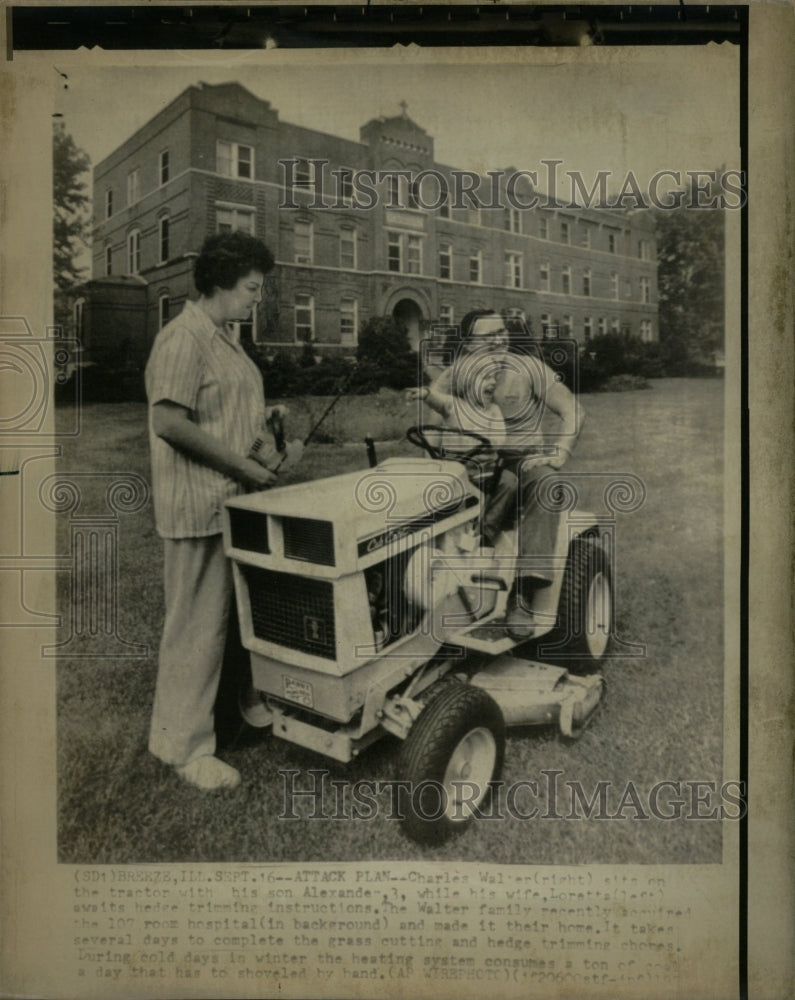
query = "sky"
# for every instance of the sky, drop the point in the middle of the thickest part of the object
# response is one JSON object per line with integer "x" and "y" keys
{"x": 641, "y": 109}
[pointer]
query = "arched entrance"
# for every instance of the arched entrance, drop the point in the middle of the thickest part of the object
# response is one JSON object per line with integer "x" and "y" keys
{"x": 407, "y": 311}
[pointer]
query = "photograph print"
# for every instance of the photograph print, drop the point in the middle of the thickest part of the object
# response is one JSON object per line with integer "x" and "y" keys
{"x": 396, "y": 522}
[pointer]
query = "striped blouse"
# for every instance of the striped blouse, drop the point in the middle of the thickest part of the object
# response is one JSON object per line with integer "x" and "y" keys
{"x": 199, "y": 366}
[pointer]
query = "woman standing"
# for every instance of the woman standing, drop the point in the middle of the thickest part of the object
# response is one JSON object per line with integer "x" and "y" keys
{"x": 206, "y": 408}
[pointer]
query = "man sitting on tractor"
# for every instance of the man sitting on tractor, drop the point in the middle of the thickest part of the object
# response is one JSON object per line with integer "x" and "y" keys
{"x": 526, "y": 392}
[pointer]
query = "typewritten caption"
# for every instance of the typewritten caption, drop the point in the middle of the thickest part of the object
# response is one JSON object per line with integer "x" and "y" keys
{"x": 334, "y": 926}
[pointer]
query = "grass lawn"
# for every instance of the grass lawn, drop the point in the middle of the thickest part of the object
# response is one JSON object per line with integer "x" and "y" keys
{"x": 662, "y": 717}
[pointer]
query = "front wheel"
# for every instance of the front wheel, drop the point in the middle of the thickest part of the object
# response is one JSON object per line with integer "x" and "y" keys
{"x": 452, "y": 754}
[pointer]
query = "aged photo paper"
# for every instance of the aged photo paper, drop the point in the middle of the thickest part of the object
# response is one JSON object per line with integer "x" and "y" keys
{"x": 619, "y": 864}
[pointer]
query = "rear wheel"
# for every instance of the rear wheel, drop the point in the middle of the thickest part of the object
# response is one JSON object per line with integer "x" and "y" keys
{"x": 450, "y": 757}
{"x": 585, "y": 610}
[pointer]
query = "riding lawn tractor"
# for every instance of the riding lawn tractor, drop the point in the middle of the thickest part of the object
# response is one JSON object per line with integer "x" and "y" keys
{"x": 369, "y": 605}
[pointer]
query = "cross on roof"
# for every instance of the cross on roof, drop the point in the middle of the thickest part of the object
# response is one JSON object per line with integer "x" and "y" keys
{"x": 404, "y": 106}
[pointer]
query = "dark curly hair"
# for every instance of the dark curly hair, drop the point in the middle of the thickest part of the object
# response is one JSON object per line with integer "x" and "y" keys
{"x": 226, "y": 258}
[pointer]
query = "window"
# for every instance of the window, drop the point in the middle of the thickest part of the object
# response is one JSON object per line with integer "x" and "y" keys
{"x": 611, "y": 242}
{"x": 302, "y": 242}
{"x": 543, "y": 227}
{"x": 546, "y": 324}
{"x": 304, "y": 176}
{"x": 614, "y": 325}
{"x": 134, "y": 251}
{"x": 446, "y": 314}
{"x": 543, "y": 276}
{"x": 644, "y": 290}
{"x": 108, "y": 203}
{"x": 163, "y": 239}
{"x": 586, "y": 237}
{"x": 646, "y": 330}
{"x": 564, "y": 231}
{"x": 614, "y": 285}
{"x": 108, "y": 260}
{"x": 602, "y": 327}
{"x": 164, "y": 167}
{"x": 587, "y": 327}
{"x": 567, "y": 326}
{"x": 513, "y": 220}
{"x": 348, "y": 317}
{"x": 345, "y": 185}
{"x": 414, "y": 255}
{"x": 513, "y": 270}
{"x": 304, "y": 318}
{"x": 565, "y": 280}
{"x": 232, "y": 159}
{"x": 586, "y": 282}
{"x": 475, "y": 267}
{"x": 404, "y": 253}
{"x": 133, "y": 188}
{"x": 393, "y": 252}
{"x": 163, "y": 309}
{"x": 445, "y": 261}
{"x": 643, "y": 250}
{"x": 229, "y": 218}
{"x": 348, "y": 247}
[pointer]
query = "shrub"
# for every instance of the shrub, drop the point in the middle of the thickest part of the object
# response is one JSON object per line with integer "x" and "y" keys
{"x": 624, "y": 383}
{"x": 613, "y": 354}
{"x": 286, "y": 375}
{"x": 385, "y": 357}
{"x": 385, "y": 360}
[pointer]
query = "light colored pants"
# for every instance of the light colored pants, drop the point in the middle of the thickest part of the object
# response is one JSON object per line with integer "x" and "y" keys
{"x": 198, "y": 590}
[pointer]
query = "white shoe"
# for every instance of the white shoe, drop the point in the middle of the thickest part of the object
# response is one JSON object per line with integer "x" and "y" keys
{"x": 253, "y": 709}
{"x": 209, "y": 773}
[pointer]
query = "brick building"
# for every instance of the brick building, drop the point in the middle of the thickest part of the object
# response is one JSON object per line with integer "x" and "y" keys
{"x": 219, "y": 158}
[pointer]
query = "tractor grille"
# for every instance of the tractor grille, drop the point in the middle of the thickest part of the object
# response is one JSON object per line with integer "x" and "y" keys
{"x": 309, "y": 540}
{"x": 292, "y": 611}
{"x": 249, "y": 530}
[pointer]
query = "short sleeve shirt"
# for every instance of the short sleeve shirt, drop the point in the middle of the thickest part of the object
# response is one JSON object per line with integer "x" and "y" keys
{"x": 202, "y": 367}
{"x": 520, "y": 396}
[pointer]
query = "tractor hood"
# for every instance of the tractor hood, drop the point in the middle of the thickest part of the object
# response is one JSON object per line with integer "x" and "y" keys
{"x": 337, "y": 525}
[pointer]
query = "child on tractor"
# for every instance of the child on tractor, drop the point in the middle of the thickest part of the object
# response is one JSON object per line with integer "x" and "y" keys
{"x": 470, "y": 408}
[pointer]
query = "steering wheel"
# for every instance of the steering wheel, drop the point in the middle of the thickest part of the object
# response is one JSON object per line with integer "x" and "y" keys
{"x": 419, "y": 438}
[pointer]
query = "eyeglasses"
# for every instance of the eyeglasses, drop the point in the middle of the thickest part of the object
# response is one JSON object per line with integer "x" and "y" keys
{"x": 489, "y": 335}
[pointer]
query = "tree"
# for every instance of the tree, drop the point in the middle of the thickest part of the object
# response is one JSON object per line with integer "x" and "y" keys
{"x": 71, "y": 221}
{"x": 385, "y": 356}
{"x": 690, "y": 251}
